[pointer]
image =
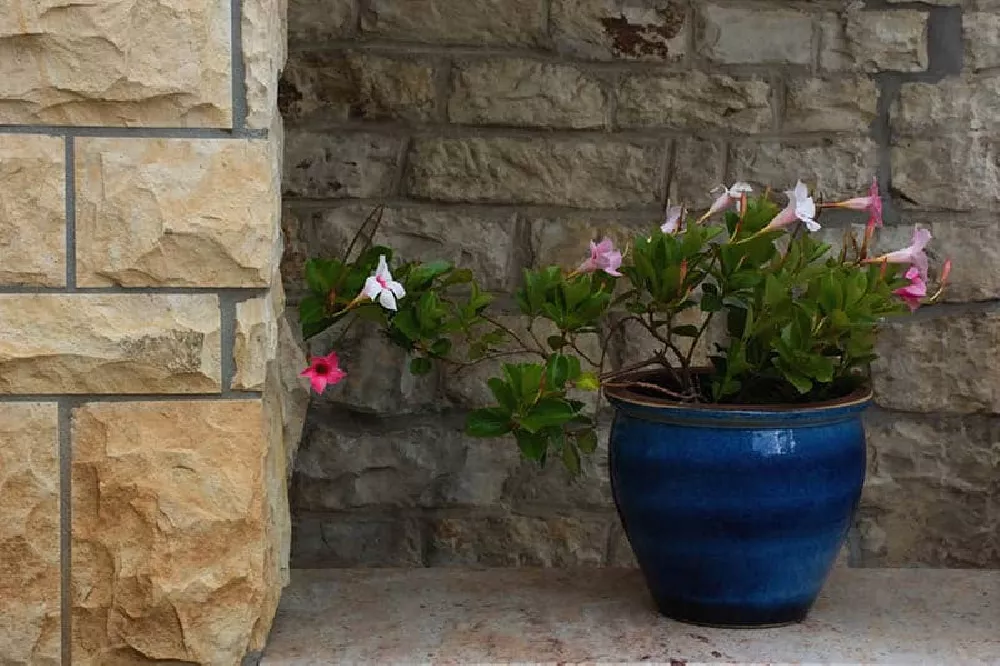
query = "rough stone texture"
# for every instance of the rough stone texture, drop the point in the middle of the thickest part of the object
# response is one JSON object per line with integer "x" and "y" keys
{"x": 347, "y": 165}
{"x": 981, "y": 32}
{"x": 570, "y": 173}
{"x": 115, "y": 343}
{"x": 176, "y": 212}
{"x": 870, "y": 41}
{"x": 608, "y": 29}
{"x": 695, "y": 101}
{"x": 264, "y": 28}
{"x": 932, "y": 492}
{"x": 424, "y": 462}
{"x": 478, "y": 240}
{"x": 727, "y": 35}
{"x": 953, "y": 172}
{"x": 522, "y": 92}
{"x": 311, "y": 20}
{"x": 479, "y": 22}
{"x": 152, "y": 64}
{"x": 500, "y": 138}
{"x": 29, "y": 534}
{"x": 940, "y": 365}
{"x": 256, "y": 341}
{"x": 33, "y": 181}
{"x": 514, "y": 541}
{"x": 952, "y": 104}
{"x": 830, "y": 105}
{"x": 169, "y": 531}
{"x": 832, "y": 169}
{"x": 334, "y": 87}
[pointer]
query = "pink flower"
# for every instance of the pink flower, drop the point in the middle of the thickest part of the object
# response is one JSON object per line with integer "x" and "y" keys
{"x": 672, "y": 222}
{"x": 603, "y": 257}
{"x": 913, "y": 294}
{"x": 871, "y": 203}
{"x": 913, "y": 255}
{"x": 322, "y": 371}
{"x": 800, "y": 207}
{"x": 383, "y": 287}
{"x": 731, "y": 196}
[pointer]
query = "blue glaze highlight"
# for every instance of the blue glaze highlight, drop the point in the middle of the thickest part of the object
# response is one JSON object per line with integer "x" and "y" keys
{"x": 736, "y": 516}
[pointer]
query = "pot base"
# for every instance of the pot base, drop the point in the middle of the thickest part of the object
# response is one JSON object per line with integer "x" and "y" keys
{"x": 721, "y": 616}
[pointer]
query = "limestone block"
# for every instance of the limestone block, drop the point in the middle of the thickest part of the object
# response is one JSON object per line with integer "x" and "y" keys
{"x": 510, "y": 541}
{"x": 847, "y": 104}
{"x": 981, "y": 32}
{"x": 32, "y": 210}
{"x": 320, "y": 86}
{"x": 952, "y": 172}
{"x": 561, "y": 240}
{"x": 176, "y": 212}
{"x": 109, "y": 343}
{"x": 357, "y": 540}
{"x": 478, "y": 22}
{"x": 129, "y": 63}
{"x": 874, "y": 41}
{"x": 480, "y": 241}
{"x": 932, "y": 497}
{"x": 29, "y": 534}
{"x": 264, "y": 50}
{"x": 960, "y": 104}
{"x": 340, "y": 165}
{"x": 698, "y": 167}
{"x": 831, "y": 169}
{"x": 946, "y": 364}
{"x": 169, "y": 531}
{"x": 256, "y": 341}
{"x": 311, "y": 20}
{"x": 695, "y": 101}
{"x": 422, "y": 463}
{"x": 605, "y": 29}
{"x": 562, "y": 172}
{"x": 525, "y": 93}
{"x": 755, "y": 35}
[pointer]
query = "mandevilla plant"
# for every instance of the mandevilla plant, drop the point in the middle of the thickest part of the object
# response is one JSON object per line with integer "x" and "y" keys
{"x": 800, "y": 323}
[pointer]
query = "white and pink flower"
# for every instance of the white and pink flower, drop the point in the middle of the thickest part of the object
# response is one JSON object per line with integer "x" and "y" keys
{"x": 603, "y": 257}
{"x": 381, "y": 286}
{"x": 800, "y": 208}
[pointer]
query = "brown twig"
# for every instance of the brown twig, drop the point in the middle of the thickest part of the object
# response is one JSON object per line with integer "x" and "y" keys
{"x": 686, "y": 397}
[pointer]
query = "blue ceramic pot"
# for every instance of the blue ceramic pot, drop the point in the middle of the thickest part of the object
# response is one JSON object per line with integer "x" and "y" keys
{"x": 736, "y": 514}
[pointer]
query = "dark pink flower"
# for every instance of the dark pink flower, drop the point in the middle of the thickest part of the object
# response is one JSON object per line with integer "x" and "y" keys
{"x": 323, "y": 371}
{"x": 914, "y": 293}
{"x": 913, "y": 255}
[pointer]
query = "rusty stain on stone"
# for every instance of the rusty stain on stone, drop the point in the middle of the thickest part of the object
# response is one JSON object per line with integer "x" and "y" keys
{"x": 645, "y": 39}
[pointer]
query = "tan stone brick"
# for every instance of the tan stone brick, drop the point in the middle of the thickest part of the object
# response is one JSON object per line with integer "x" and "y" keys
{"x": 982, "y": 39}
{"x": 29, "y": 534}
{"x": 698, "y": 167}
{"x": 953, "y": 172}
{"x": 525, "y": 92}
{"x": 176, "y": 212}
{"x": 339, "y": 165}
{"x": 606, "y": 29}
{"x": 476, "y": 22}
{"x": 310, "y": 20}
{"x": 170, "y": 531}
{"x": 695, "y": 101}
{"x": 755, "y": 35}
{"x": 155, "y": 63}
{"x": 264, "y": 50}
{"x": 571, "y": 173}
{"x": 959, "y": 104}
{"x": 256, "y": 342}
{"x": 32, "y": 210}
{"x": 109, "y": 343}
{"x": 873, "y": 41}
{"x": 843, "y": 104}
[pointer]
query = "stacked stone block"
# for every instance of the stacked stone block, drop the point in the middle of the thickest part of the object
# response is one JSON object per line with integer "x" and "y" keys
{"x": 145, "y": 424}
{"x": 506, "y": 133}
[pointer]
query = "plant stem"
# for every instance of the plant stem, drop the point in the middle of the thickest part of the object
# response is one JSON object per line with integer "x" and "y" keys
{"x": 524, "y": 348}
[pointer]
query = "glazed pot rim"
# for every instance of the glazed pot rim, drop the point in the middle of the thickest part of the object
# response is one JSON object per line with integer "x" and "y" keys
{"x": 626, "y": 396}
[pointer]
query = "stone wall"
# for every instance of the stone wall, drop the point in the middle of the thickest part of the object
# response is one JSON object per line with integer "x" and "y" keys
{"x": 145, "y": 423}
{"x": 506, "y": 133}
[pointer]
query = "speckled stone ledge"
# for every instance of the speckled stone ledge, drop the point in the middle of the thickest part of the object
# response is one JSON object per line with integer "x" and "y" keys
{"x": 882, "y": 616}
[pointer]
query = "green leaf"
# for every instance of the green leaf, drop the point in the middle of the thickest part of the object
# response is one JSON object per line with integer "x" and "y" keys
{"x": 421, "y": 365}
{"x": 312, "y": 309}
{"x": 588, "y": 381}
{"x": 547, "y": 412}
{"x": 556, "y": 342}
{"x": 586, "y": 440}
{"x": 685, "y": 331}
{"x": 533, "y": 445}
{"x": 441, "y": 347}
{"x": 571, "y": 458}
{"x": 502, "y": 393}
{"x": 489, "y": 422}
{"x": 557, "y": 371}
{"x": 525, "y": 380}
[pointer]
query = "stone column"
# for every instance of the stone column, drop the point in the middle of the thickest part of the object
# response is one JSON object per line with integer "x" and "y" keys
{"x": 145, "y": 421}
